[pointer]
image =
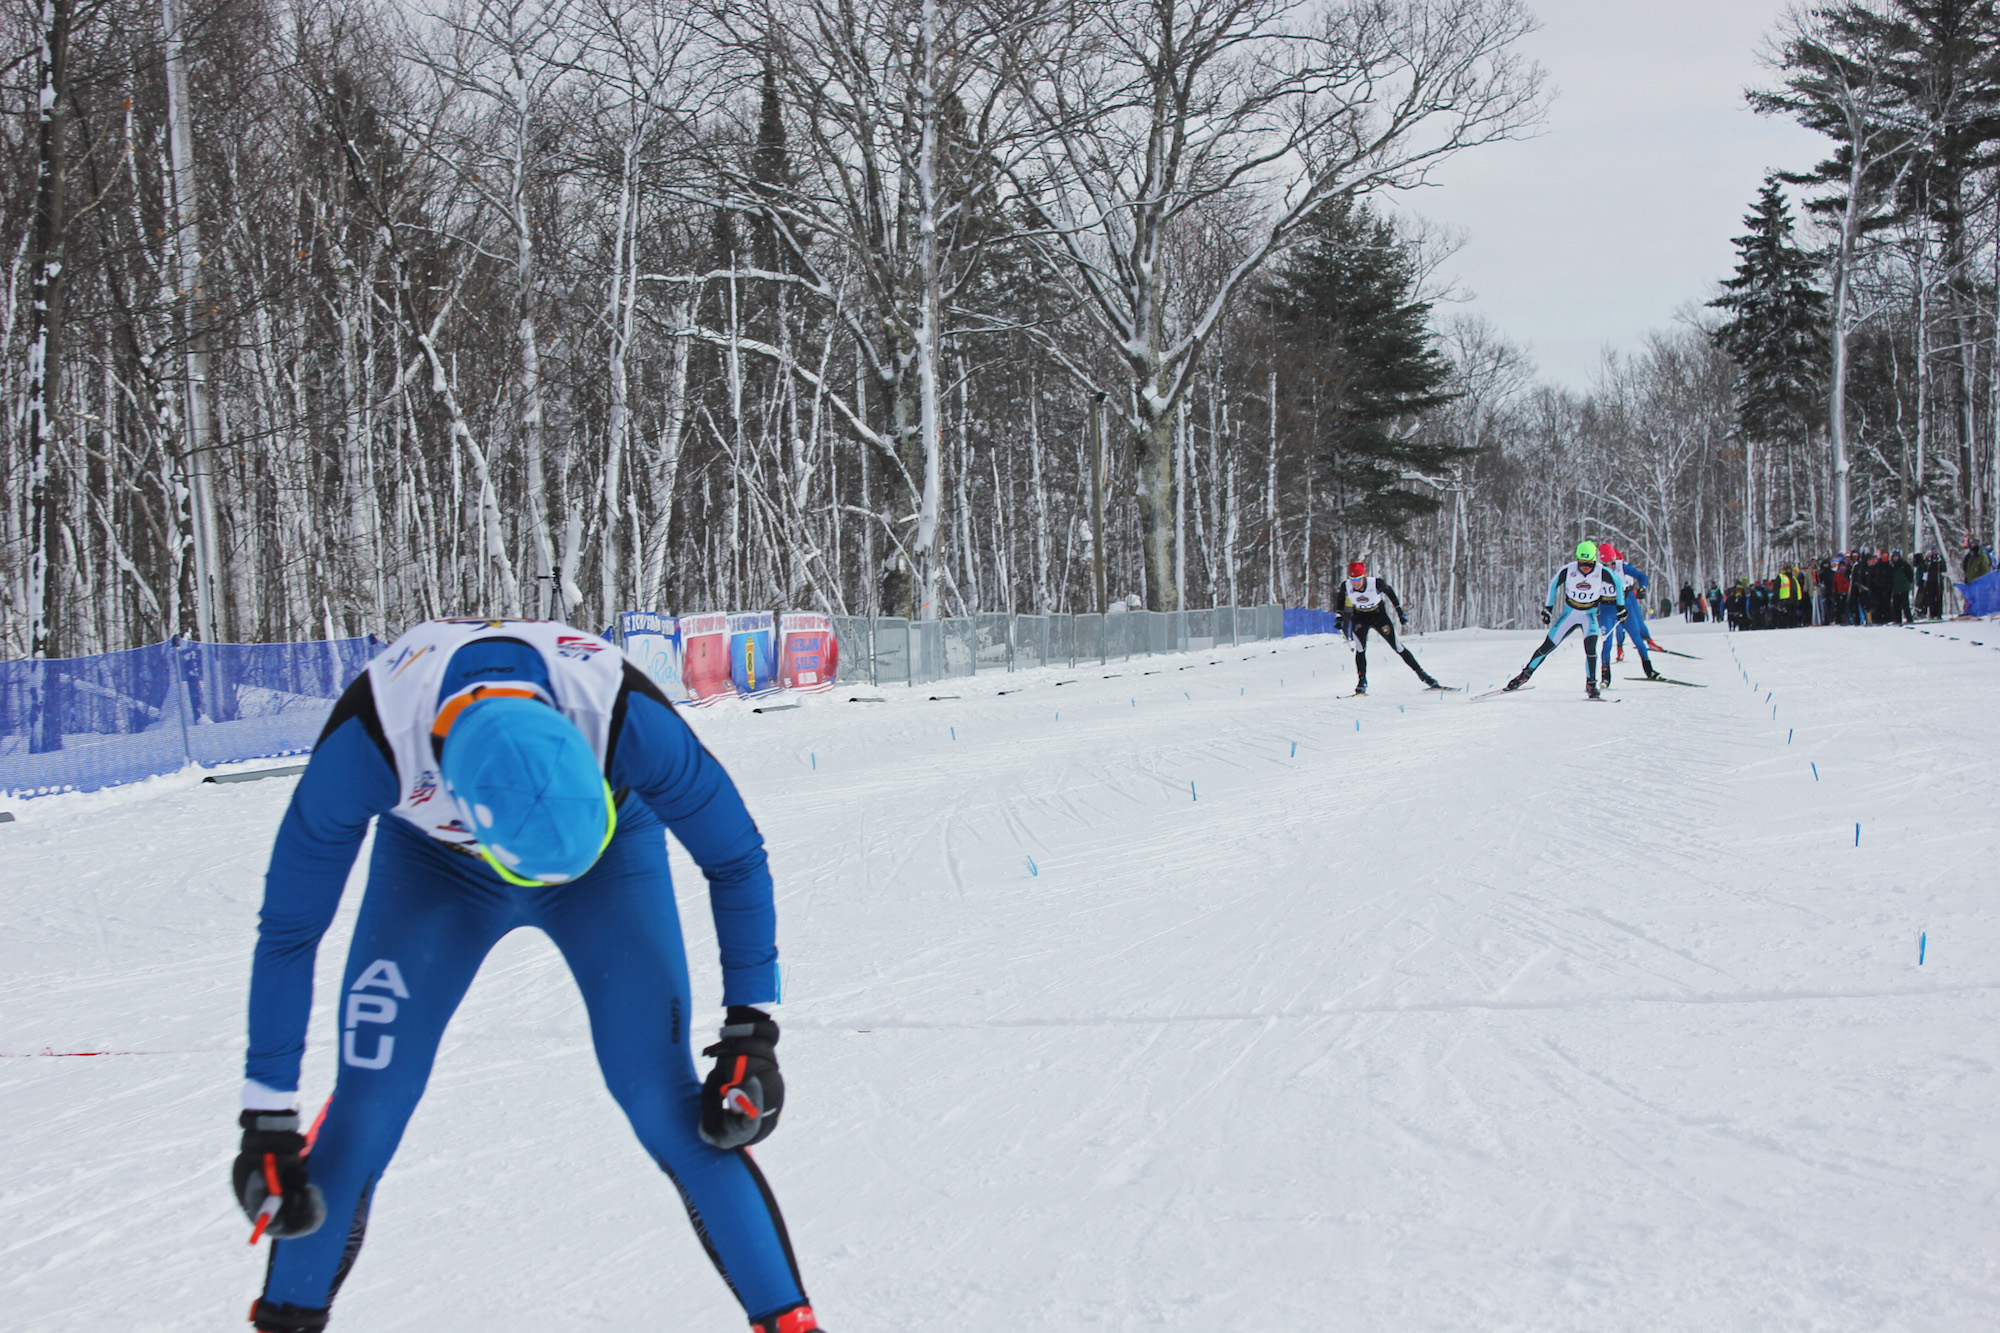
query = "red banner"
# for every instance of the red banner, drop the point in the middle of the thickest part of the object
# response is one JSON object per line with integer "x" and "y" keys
{"x": 809, "y": 654}
{"x": 705, "y": 657}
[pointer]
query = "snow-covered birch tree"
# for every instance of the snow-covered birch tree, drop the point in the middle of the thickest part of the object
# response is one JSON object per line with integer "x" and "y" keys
{"x": 1288, "y": 105}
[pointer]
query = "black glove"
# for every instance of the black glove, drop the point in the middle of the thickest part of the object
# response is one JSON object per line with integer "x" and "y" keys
{"x": 743, "y": 1094}
{"x": 274, "y": 1151}
{"x": 1545, "y": 615}
{"x": 1622, "y": 614}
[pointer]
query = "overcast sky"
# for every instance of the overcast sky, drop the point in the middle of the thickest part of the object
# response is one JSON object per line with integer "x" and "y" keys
{"x": 1594, "y": 233}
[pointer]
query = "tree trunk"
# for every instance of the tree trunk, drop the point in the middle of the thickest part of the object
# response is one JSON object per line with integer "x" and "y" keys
{"x": 930, "y": 311}
{"x": 1154, "y": 473}
{"x": 624, "y": 294}
{"x": 1272, "y": 536}
{"x": 188, "y": 262}
{"x": 42, "y": 384}
{"x": 1098, "y": 478}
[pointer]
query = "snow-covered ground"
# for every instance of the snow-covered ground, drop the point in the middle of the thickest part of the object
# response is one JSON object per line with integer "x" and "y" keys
{"x": 1522, "y": 1014}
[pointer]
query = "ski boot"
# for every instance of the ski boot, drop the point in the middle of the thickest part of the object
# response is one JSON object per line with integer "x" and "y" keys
{"x": 1590, "y": 687}
{"x": 1650, "y": 673}
{"x": 798, "y": 1319}
{"x": 1517, "y": 682}
{"x": 270, "y": 1317}
{"x": 1430, "y": 681}
{"x": 1606, "y": 675}
{"x": 1361, "y": 687}
{"x": 1621, "y": 653}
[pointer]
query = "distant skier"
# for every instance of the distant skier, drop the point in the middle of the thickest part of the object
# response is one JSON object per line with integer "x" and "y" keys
{"x": 521, "y": 772}
{"x": 1587, "y": 593}
{"x": 1367, "y": 601}
{"x": 1632, "y": 603}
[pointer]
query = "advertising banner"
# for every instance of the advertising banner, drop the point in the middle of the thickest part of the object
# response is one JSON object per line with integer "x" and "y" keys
{"x": 753, "y": 652}
{"x": 808, "y": 652}
{"x": 653, "y": 642}
{"x": 705, "y": 657}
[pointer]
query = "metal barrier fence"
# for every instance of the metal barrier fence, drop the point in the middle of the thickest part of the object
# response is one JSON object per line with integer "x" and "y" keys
{"x": 82, "y": 723}
{"x": 890, "y": 650}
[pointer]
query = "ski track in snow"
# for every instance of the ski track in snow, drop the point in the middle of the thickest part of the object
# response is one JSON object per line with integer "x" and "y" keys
{"x": 1516, "y": 1016}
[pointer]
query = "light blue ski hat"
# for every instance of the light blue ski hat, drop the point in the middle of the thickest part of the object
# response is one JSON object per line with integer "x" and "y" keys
{"x": 530, "y": 789}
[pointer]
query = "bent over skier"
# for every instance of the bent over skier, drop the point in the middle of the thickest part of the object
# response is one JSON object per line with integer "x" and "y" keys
{"x": 522, "y": 772}
{"x": 1586, "y": 591}
{"x": 1368, "y": 600}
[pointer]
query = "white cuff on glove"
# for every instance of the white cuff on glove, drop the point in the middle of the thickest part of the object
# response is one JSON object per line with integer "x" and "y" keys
{"x": 257, "y": 1097}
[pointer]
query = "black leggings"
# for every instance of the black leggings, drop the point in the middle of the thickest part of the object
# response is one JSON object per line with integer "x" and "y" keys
{"x": 1378, "y": 620}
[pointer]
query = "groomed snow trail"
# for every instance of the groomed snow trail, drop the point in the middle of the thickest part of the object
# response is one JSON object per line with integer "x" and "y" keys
{"x": 1524, "y": 1014}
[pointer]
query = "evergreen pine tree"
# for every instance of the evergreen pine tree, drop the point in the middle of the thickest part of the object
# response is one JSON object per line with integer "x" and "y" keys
{"x": 1777, "y": 328}
{"x": 1360, "y": 363}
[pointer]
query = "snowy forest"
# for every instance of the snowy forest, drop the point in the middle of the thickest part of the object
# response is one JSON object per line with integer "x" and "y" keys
{"x": 323, "y": 316}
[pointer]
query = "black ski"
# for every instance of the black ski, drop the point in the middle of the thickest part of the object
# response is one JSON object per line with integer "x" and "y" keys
{"x": 1494, "y": 694}
{"x": 1669, "y": 680}
{"x": 1671, "y": 653}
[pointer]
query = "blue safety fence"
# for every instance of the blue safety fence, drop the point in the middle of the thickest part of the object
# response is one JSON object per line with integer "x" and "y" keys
{"x": 1304, "y": 620}
{"x": 1982, "y": 595}
{"x": 82, "y": 723}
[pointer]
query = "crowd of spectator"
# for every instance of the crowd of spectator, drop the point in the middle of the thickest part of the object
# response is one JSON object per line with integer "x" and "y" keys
{"x": 1881, "y": 587}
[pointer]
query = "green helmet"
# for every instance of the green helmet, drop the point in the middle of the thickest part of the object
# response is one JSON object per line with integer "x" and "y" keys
{"x": 1586, "y": 552}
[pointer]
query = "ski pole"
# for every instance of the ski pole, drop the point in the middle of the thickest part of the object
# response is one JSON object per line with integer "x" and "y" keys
{"x": 275, "y": 1199}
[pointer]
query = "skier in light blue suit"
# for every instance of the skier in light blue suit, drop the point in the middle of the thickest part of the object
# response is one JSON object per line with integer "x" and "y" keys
{"x": 519, "y": 773}
{"x": 1632, "y": 623}
{"x": 1585, "y": 591}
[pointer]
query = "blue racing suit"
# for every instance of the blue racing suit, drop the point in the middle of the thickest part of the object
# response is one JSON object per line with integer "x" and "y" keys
{"x": 431, "y": 913}
{"x": 1634, "y": 623}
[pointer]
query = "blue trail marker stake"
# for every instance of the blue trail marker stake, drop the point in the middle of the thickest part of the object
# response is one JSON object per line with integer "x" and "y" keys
{"x": 1191, "y": 795}
{"x": 815, "y": 760}
{"x": 1357, "y": 724}
{"x": 954, "y": 733}
{"x": 1815, "y": 771}
{"x": 1295, "y": 749}
{"x": 1922, "y": 938}
{"x": 1135, "y": 703}
{"x": 1399, "y": 708}
{"x": 1033, "y": 869}
{"x": 1187, "y": 696}
{"x": 1789, "y": 733}
{"x": 1857, "y": 835}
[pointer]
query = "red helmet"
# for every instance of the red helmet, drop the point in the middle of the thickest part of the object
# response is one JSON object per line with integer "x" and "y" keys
{"x": 1357, "y": 569}
{"x": 1607, "y": 551}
